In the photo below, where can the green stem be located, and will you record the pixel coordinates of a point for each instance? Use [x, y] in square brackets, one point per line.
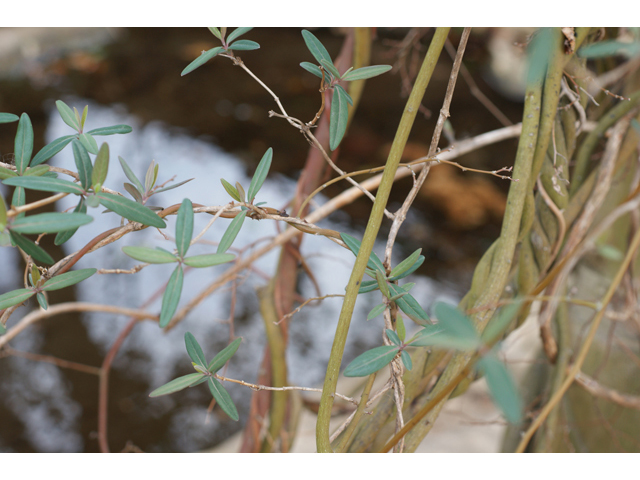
[371, 232]
[364, 398]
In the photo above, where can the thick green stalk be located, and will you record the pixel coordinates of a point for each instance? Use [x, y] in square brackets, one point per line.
[371, 232]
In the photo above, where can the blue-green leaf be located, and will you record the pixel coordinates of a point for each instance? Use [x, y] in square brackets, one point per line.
[131, 176]
[315, 47]
[51, 222]
[409, 271]
[48, 151]
[194, 350]
[406, 359]
[406, 264]
[171, 187]
[223, 399]
[366, 72]
[149, 255]
[130, 209]
[244, 45]
[171, 296]
[45, 184]
[368, 286]
[393, 337]
[23, 146]
[260, 175]
[354, 245]
[15, 297]
[224, 355]
[35, 251]
[231, 233]
[330, 67]
[201, 60]
[609, 48]
[500, 321]
[502, 387]
[377, 310]
[62, 237]
[184, 227]
[112, 130]
[89, 143]
[456, 324]
[177, 384]
[6, 173]
[208, 260]
[67, 115]
[42, 300]
[338, 118]
[83, 163]
[371, 361]
[409, 305]
[311, 68]
[8, 118]
[344, 94]
[67, 279]
[37, 171]
[237, 33]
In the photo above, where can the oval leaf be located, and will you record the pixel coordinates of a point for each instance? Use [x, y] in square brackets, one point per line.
[45, 184]
[231, 190]
[83, 163]
[223, 398]
[406, 264]
[329, 67]
[177, 384]
[406, 359]
[310, 67]
[201, 60]
[260, 175]
[375, 311]
[237, 33]
[208, 260]
[23, 146]
[15, 297]
[366, 72]
[112, 130]
[393, 337]
[224, 355]
[184, 227]
[149, 255]
[244, 45]
[338, 118]
[315, 47]
[194, 350]
[502, 387]
[8, 118]
[371, 361]
[101, 168]
[374, 262]
[27, 246]
[171, 296]
[231, 233]
[67, 115]
[130, 209]
[67, 279]
[48, 151]
[50, 222]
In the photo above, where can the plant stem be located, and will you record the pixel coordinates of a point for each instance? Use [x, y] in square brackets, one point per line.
[333, 368]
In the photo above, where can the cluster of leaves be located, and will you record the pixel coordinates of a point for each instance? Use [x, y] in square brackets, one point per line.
[228, 44]
[341, 100]
[238, 193]
[205, 372]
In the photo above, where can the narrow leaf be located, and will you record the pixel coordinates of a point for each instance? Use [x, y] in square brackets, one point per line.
[133, 191]
[215, 32]
[42, 300]
[406, 264]
[609, 48]
[455, 323]
[311, 68]
[171, 296]
[375, 311]
[177, 384]
[149, 178]
[84, 116]
[34, 251]
[223, 399]
[368, 286]
[131, 176]
[67, 115]
[48, 151]
[194, 350]
[338, 118]
[45, 184]
[366, 72]
[224, 355]
[244, 45]
[329, 67]
[400, 328]
[67, 279]
[23, 146]
[345, 94]
[208, 260]
[260, 175]
[502, 387]
[184, 227]
[171, 187]
[8, 118]
[112, 130]
[149, 255]
[15, 297]
[406, 359]
[83, 163]
[201, 60]
[374, 262]
[65, 235]
[3, 213]
[36, 171]
[231, 190]
[409, 305]
[409, 271]
[231, 233]
[237, 33]
[382, 284]
[241, 192]
[500, 321]
[52, 222]
[130, 210]
[101, 168]
[6, 173]
[89, 143]
[393, 337]
[371, 361]
[315, 47]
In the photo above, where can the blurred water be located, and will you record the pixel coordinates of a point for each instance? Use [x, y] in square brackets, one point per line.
[46, 410]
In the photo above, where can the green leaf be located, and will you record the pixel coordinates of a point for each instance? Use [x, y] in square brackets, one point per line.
[241, 192]
[177, 384]
[366, 72]
[171, 296]
[609, 48]
[610, 252]
[201, 60]
[23, 146]
[48, 151]
[215, 32]
[194, 350]
[62, 237]
[542, 43]
[51, 222]
[237, 33]
[260, 175]
[406, 264]
[89, 143]
[131, 176]
[133, 191]
[400, 328]
[329, 67]
[456, 324]
[231, 233]
[67, 115]
[231, 190]
[409, 271]
[150, 176]
[502, 387]
[315, 47]
[3, 329]
[393, 337]
[184, 227]
[83, 163]
[345, 94]
[409, 305]
[8, 118]
[500, 321]
[311, 68]
[45, 184]
[130, 209]
[6, 173]
[15, 297]
[149, 255]
[18, 199]
[67, 279]
[375, 311]
[368, 286]
[171, 187]
[354, 245]
[244, 45]
[406, 359]
[38, 171]
[435, 335]
[382, 284]
[371, 361]
[101, 168]
[208, 260]
[223, 399]
[3, 213]
[338, 118]
[84, 116]
[224, 355]
[112, 130]
[27, 246]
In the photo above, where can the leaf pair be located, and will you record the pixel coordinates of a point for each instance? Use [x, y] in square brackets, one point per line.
[205, 372]
[260, 175]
